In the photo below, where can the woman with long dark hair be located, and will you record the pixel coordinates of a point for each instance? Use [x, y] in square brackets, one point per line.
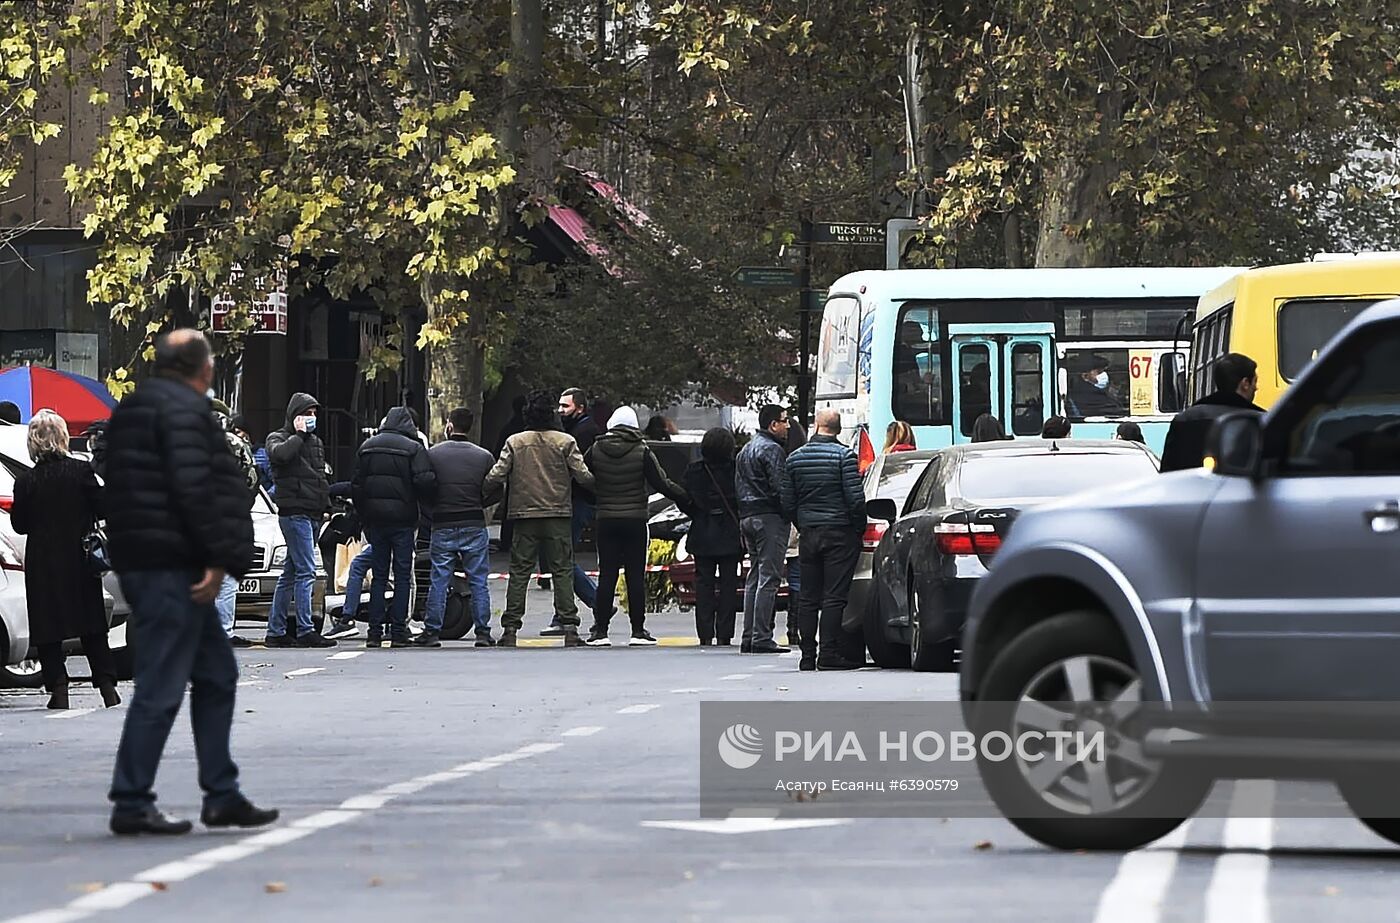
[57, 503]
[714, 540]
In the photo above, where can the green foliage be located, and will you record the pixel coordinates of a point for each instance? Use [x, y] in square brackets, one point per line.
[32, 53]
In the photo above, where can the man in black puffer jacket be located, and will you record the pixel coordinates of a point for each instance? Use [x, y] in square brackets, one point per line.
[822, 493]
[177, 522]
[392, 476]
[303, 495]
[623, 467]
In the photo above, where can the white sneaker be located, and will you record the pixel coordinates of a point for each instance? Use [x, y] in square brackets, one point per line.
[642, 638]
[596, 640]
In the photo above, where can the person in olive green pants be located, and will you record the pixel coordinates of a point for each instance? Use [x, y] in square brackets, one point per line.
[538, 467]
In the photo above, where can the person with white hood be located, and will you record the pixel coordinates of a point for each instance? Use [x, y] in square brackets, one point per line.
[623, 468]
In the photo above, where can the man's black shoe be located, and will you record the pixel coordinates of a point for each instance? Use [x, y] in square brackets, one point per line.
[374, 639]
[745, 647]
[314, 639]
[485, 641]
[837, 662]
[280, 641]
[553, 630]
[427, 639]
[148, 821]
[807, 664]
[241, 813]
[400, 639]
[239, 641]
[769, 648]
[507, 639]
[342, 628]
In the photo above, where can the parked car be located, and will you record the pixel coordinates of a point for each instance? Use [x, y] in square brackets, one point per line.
[930, 559]
[18, 666]
[1262, 585]
[891, 476]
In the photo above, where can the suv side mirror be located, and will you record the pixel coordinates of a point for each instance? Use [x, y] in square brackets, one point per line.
[1235, 445]
[882, 509]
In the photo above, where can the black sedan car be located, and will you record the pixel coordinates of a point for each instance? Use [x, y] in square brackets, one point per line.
[928, 561]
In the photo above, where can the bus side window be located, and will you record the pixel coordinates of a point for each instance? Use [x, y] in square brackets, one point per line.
[917, 388]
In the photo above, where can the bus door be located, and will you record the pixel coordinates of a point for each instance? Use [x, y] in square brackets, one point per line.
[1007, 370]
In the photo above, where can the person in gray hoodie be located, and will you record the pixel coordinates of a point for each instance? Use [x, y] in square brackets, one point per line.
[623, 467]
[459, 527]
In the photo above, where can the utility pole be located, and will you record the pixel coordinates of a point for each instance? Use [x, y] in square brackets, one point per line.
[804, 315]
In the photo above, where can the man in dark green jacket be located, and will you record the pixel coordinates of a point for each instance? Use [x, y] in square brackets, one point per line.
[822, 494]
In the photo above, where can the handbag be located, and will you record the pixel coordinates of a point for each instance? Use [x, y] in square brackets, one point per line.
[95, 552]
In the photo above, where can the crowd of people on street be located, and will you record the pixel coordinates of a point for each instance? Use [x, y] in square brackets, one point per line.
[180, 476]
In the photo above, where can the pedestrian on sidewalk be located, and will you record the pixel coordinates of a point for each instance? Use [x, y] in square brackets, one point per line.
[538, 468]
[392, 476]
[459, 536]
[623, 468]
[822, 493]
[758, 481]
[177, 521]
[714, 539]
[573, 410]
[303, 495]
[227, 603]
[56, 504]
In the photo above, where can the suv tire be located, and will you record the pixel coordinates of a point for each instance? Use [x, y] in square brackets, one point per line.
[1161, 798]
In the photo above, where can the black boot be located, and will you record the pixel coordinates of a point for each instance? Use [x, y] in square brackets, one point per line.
[110, 699]
[58, 698]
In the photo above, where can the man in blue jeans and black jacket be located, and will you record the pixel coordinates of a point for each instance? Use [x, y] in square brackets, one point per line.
[303, 496]
[459, 528]
[177, 523]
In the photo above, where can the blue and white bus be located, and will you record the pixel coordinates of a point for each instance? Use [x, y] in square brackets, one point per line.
[937, 348]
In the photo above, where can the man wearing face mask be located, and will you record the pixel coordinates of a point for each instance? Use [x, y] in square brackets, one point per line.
[1089, 393]
[303, 495]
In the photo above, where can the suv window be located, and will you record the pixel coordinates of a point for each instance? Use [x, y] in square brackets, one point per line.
[1354, 426]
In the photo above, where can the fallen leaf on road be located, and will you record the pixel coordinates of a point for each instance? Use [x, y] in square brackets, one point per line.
[376, 881]
[159, 886]
[89, 887]
[1331, 890]
[275, 887]
[982, 845]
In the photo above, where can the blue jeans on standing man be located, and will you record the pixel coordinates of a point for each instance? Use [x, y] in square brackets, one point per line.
[227, 603]
[391, 545]
[175, 641]
[298, 575]
[355, 580]
[469, 546]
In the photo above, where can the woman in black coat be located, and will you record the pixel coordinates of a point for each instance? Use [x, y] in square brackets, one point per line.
[56, 504]
[714, 540]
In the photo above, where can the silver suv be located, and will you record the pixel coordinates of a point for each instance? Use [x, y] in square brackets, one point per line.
[1207, 617]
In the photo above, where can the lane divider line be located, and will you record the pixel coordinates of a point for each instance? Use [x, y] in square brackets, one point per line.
[586, 731]
[71, 713]
[736, 676]
[1139, 887]
[346, 655]
[1239, 886]
[304, 671]
[638, 709]
[143, 884]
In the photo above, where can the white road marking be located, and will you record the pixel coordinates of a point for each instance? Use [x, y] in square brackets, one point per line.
[733, 825]
[692, 690]
[638, 709]
[766, 666]
[1136, 892]
[587, 730]
[346, 655]
[121, 893]
[1239, 886]
[737, 676]
[252, 682]
[304, 671]
[72, 713]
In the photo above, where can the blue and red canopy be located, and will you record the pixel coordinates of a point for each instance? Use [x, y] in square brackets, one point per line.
[79, 400]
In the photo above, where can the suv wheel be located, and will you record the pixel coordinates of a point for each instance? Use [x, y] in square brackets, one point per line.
[1372, 799]
[1074, 672]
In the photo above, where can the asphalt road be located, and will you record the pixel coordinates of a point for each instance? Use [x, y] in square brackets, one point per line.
[538, 784]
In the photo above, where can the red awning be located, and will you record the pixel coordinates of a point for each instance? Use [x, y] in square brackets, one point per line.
[581, 232]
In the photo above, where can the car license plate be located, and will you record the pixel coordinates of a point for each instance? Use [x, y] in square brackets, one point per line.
[249, 587]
